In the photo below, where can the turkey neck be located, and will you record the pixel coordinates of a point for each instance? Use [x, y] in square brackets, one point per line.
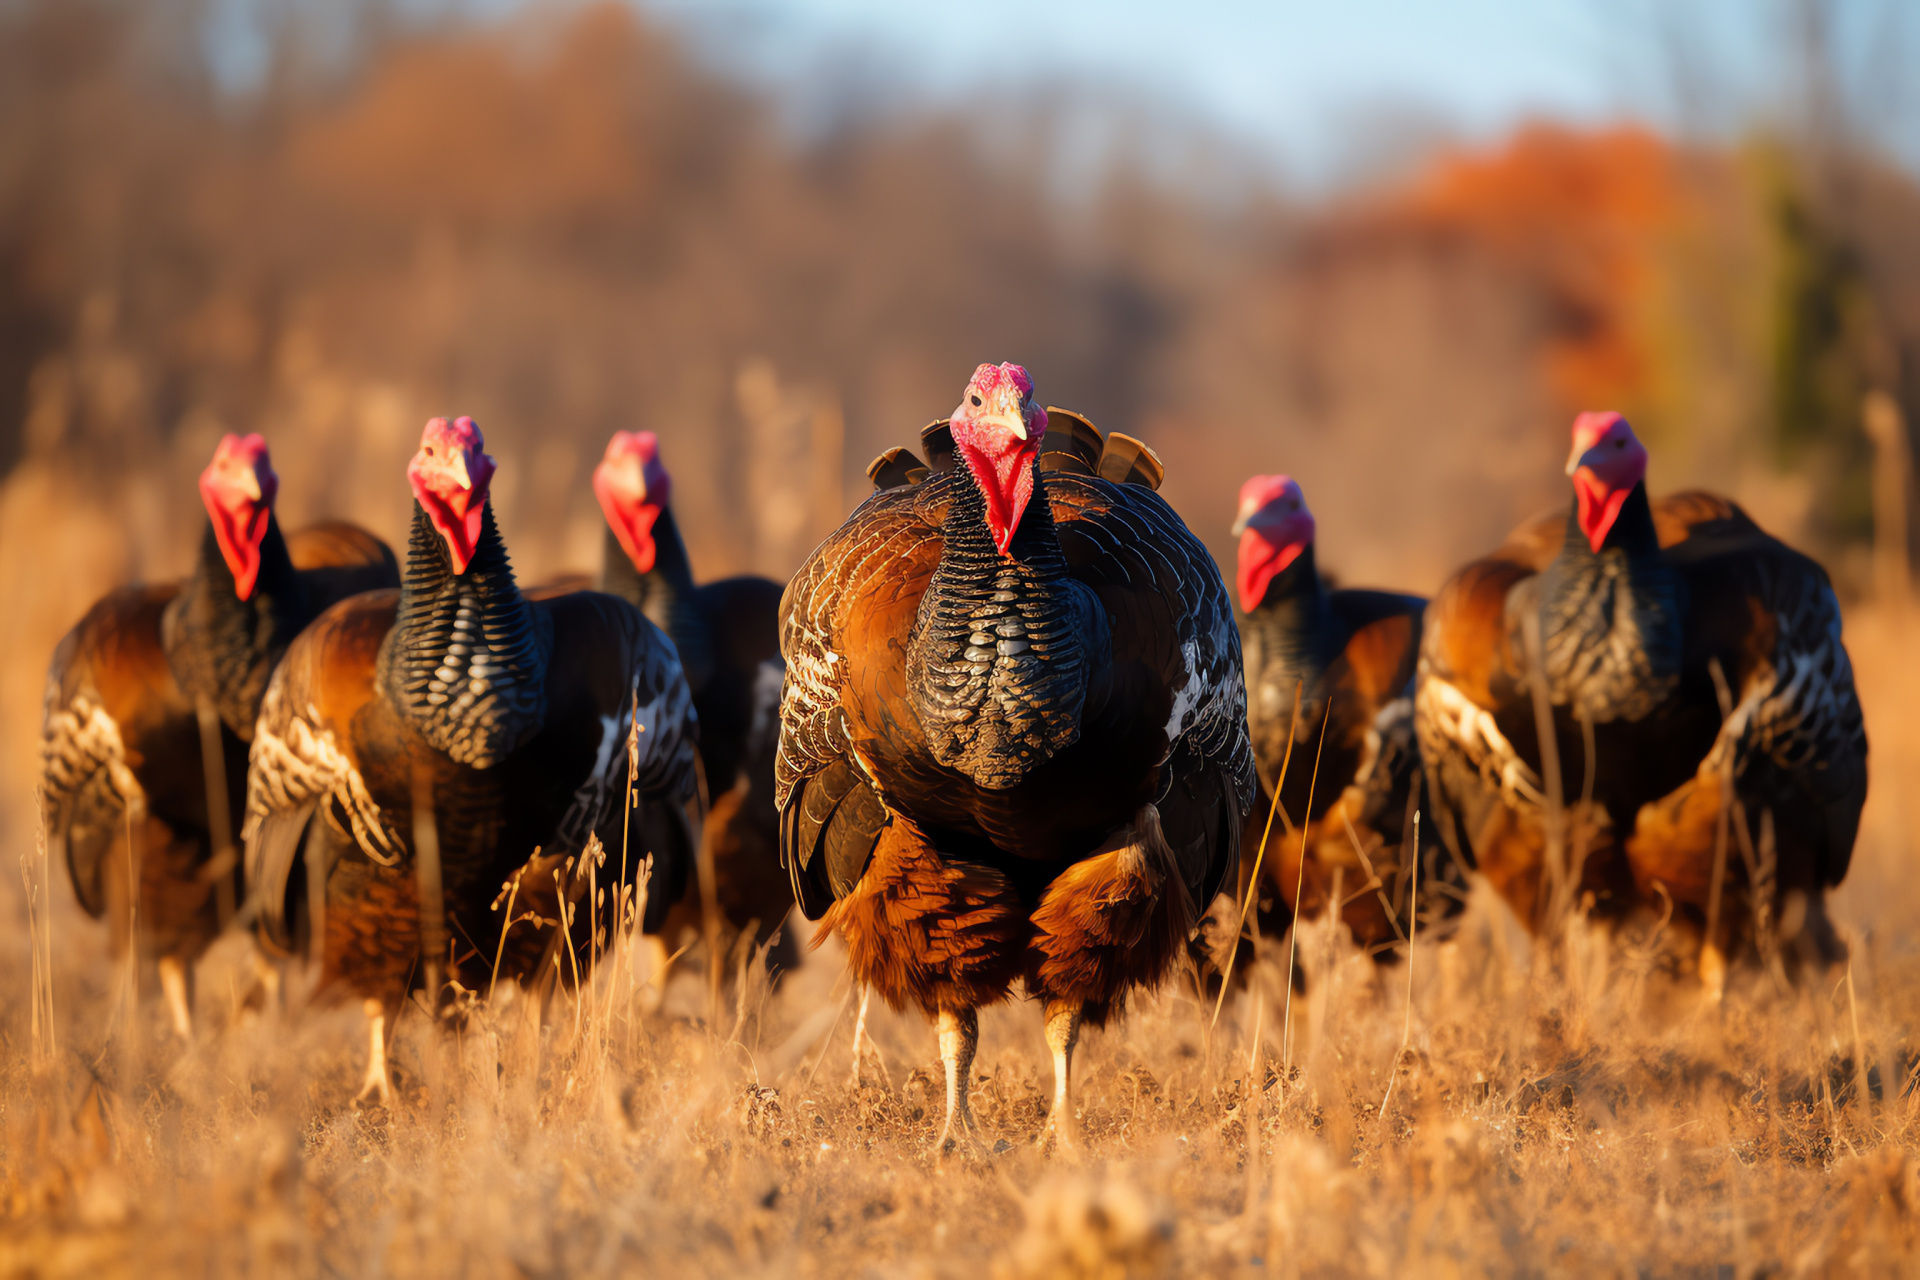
[223, 649]
[466, 660]
[1291, 635]
[1289, 640]
[998, 663]
[665, 593]
[1610, 626]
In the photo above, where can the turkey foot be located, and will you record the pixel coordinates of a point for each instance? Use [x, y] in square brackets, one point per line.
[959, 1038]
[1063, 1034]
[860, 1038]
[1713, 972]
[377, 1081]
[173, 982]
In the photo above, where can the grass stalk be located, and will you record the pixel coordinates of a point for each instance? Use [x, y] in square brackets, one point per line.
[1259, 857]
[1413, 928]
[1293, 942]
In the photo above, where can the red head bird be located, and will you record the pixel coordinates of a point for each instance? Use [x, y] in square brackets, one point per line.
[1274, 527]
[997, 429]
[238, 488]
[633, 487]
[1607, 461]
[450, 477]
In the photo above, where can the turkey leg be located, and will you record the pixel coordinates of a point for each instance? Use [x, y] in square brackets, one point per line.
[860, 1037]
[377, 1081]
[959, 1038]
[173, 983]
[1063, 1035]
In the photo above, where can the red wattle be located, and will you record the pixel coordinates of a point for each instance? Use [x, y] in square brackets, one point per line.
[239, 527]
[1259, 563]
[1007, 481]
[1599, 506]
[240, 532]
[456, 515]
[632, 527]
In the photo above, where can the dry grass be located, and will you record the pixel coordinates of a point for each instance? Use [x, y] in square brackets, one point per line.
[1583, 1115]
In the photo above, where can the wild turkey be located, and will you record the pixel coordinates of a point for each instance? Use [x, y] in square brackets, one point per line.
[1711, 757]
[505, 716]
[727, 634]
[1347, 657]
[151, 702]
[1013, 738]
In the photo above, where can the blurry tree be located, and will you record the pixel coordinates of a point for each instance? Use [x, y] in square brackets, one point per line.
[561, 222]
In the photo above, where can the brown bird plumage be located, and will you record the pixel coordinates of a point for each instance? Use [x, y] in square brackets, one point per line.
[509, 715]
[1013, 746]
[1352, 783]
[1703, 712]
[727, 634]
[125, 739]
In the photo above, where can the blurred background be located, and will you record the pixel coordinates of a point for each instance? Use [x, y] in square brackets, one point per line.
[1388, 247]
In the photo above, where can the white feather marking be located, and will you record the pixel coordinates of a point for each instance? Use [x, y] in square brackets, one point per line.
[1190, 695]
[302, 763]
[769, 682]
[603, 755]
[82, 737]
[1444, 710]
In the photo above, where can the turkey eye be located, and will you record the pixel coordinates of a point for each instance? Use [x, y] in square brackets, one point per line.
[1619, 444]
[976, 401]
[429, 451]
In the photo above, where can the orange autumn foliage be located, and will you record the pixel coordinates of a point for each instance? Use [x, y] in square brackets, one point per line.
[1586, 213]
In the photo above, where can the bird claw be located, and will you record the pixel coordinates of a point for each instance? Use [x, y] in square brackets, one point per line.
[1713, 973]
[173, 983]
[961, 1140]
[1063, 1135]
[377, 1080]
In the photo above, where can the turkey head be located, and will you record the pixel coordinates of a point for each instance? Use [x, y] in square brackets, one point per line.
[450, 476]
[238, 488]
[633, 487]
[1274, 527]
[997, 430]
[1607, 461]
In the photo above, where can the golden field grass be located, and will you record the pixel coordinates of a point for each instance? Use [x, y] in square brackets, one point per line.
[1581, 1114]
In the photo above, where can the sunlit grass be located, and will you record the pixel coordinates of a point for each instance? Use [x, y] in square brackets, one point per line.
[1585, 1114]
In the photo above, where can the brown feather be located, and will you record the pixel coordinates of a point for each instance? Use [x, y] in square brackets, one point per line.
[930, 932]
[1112, 921]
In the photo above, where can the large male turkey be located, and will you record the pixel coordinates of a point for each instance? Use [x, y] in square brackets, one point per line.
[727, 633]
[1711, 757]
[1330, 702]
[1013, 736]
[151, 701]
[507, 715]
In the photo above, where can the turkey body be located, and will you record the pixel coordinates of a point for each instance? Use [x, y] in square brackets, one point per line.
[1703, 714]
[524, 755]
[124, 735]
[1351, 656]
[727, 634]
[968, 739]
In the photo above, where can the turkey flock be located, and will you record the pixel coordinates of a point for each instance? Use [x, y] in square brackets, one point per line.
[1007, 730]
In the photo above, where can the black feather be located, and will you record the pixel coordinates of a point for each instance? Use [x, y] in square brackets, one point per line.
[466, 660]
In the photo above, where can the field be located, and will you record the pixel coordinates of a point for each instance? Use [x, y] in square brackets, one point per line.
[1578, 1111]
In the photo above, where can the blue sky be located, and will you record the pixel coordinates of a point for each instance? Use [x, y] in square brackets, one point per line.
[1323, 91]
[1319, 86]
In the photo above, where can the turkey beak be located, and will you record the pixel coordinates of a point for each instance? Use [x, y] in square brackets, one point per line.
[459, 469]
[1574, 459]
[1011, 421]
[250, 484]
[1244, 520]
